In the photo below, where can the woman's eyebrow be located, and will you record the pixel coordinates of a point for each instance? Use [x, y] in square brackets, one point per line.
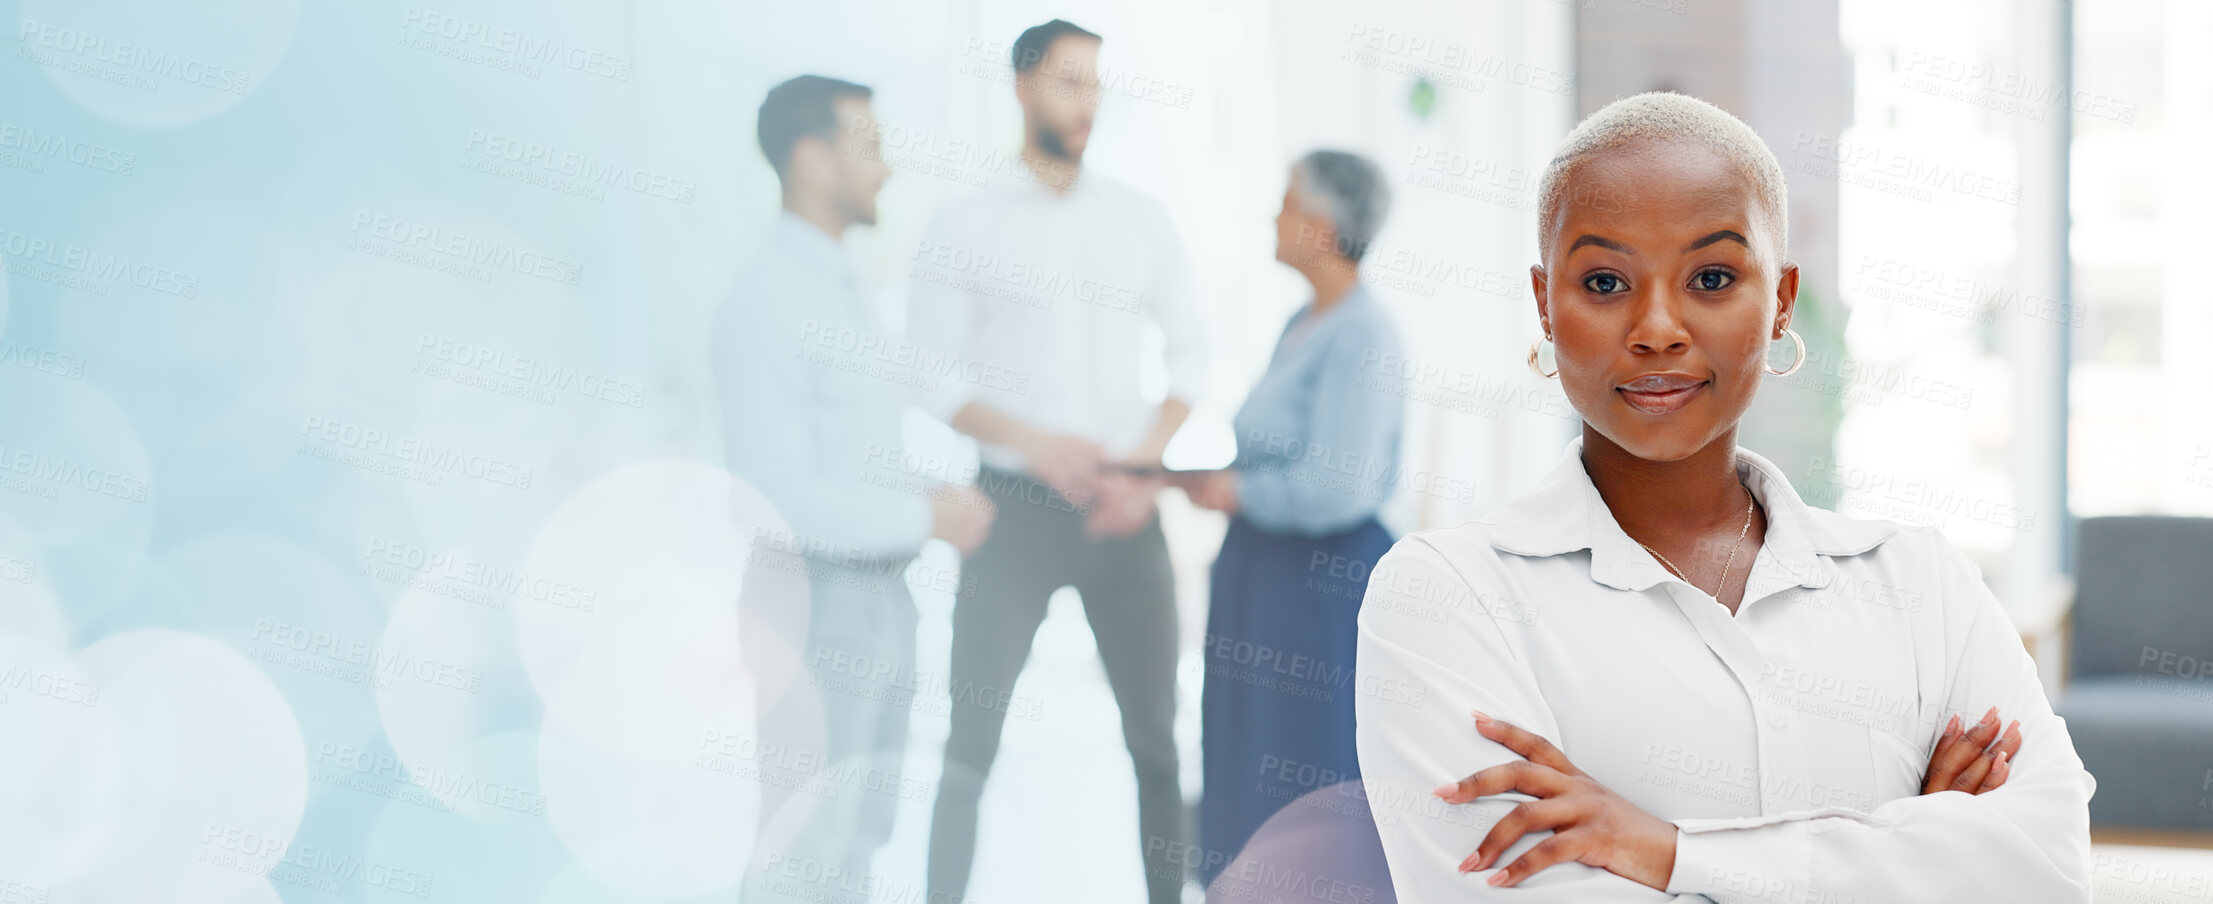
[1716, 236]
[1588, 239]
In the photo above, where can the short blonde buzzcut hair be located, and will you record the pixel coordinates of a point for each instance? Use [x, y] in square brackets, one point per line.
[1659, 117]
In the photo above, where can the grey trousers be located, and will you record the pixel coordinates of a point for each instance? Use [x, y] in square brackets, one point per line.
[1037, 546]
[829, 756]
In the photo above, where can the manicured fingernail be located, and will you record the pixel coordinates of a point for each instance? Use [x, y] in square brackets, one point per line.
[1468, 864]
[1445, 791]
[1991, 716]
[2001, 760]
[1498, 878]
[1953, 727]
[1480, 716]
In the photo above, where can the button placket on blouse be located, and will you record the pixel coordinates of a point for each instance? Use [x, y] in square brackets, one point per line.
[1740, 654]
[1786, 762]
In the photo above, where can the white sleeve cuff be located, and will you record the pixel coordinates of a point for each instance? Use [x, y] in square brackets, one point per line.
[1730, 863]
[1762, 858]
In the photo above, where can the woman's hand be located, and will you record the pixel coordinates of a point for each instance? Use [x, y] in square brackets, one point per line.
[1589, 822]
[1968, 761]
[1215, 490]
[1121, 504]
[1069, 464]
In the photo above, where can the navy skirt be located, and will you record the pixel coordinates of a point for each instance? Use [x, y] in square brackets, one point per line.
[1277, 709]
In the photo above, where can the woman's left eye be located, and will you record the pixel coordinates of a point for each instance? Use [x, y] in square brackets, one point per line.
[1712, 280]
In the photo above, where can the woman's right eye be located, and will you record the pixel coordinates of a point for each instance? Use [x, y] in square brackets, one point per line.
[1604, 283]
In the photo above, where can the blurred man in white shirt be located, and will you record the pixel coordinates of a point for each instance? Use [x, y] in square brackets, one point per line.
[810, 411]
[1058, 275]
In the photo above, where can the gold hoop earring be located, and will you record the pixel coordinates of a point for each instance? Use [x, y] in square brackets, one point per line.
[1794, 365]
[1533, 368]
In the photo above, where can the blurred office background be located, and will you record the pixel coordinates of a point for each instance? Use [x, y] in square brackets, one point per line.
[251, 249]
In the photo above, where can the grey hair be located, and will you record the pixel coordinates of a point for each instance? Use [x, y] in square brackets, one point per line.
[1662, 116]
[1348, 190]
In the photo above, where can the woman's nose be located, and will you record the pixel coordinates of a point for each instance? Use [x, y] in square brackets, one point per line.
[1659, 326]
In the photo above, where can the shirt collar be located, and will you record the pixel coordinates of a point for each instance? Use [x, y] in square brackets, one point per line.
[1020, 181]
[1354, 299]
[1346, 307]
[1565, 513]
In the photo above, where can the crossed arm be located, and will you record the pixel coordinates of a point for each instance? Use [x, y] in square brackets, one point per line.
[1563, 836]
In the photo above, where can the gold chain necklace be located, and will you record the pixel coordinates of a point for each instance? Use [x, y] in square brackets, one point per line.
[1749, 502]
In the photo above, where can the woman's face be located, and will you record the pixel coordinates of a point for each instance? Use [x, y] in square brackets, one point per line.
[1662, 290]
[1302, 239]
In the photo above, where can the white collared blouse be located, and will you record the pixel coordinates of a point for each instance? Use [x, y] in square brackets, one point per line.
[1786, 742]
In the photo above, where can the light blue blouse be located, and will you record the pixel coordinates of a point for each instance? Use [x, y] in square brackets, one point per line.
[1318, 437]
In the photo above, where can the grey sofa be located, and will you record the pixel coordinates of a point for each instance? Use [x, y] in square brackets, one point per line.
[2139, 693]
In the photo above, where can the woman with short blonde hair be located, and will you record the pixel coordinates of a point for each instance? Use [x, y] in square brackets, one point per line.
[1660, 672]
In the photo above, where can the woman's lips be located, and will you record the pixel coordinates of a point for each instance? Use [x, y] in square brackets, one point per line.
[1661, 402]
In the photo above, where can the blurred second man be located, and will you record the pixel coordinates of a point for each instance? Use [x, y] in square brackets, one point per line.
[1042, 287]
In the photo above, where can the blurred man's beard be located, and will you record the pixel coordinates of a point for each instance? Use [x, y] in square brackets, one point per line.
[859, 214]
[1049, 141]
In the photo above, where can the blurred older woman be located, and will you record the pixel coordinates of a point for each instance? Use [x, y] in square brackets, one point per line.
[1318, 451]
